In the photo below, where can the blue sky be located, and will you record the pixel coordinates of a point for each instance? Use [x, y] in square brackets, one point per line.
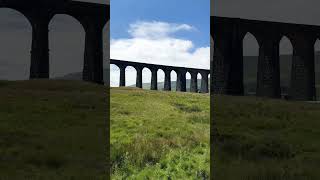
[191, 12]
[167, 32]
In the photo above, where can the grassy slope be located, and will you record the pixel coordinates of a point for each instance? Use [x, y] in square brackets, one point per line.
[52, 130]
[159, 134]
[266, 139]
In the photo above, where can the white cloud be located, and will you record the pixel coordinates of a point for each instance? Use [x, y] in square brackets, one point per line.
[156, 29]
[154, 42]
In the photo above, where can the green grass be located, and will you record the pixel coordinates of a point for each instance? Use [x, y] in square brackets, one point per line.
[266, 139]
[159, 135]
[52, 130]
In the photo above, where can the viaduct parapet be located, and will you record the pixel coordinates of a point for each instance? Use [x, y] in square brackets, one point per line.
[180, 71]
[227, 59]
[39, 13]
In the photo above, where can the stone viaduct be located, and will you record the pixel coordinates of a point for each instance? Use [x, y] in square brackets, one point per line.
[227, 65]
[180, 71]
[93, 18]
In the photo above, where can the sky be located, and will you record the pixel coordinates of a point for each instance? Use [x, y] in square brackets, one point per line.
[292, 11]
[160, 32]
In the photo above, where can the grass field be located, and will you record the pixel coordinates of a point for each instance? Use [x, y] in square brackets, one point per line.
[56, 130]
[266, 139]
[159, 135]
[52, 130]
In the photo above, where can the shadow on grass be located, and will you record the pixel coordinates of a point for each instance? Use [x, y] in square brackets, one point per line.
[187, 108]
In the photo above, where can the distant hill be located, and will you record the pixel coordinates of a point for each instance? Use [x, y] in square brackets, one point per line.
[72, 76]
[173, 85]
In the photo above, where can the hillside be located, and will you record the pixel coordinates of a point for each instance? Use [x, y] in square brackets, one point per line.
[52, 129]
[159, 135]
[266, 139]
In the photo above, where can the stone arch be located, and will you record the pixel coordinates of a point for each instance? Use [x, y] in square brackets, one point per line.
[15, 60]
[285, 61]
[174, 72]
[252, 34]
[289, 36]
[20, 12]
[251, 48]
[79, 18]
[199, 77]
[114, 75]
[66, 56]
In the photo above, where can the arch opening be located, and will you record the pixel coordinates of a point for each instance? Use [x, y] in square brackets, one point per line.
[131, 76]
[146, 78]
[250, 63]
[199, 78]
[160, 75]
[285, 61]
[66, 44]
[173, 75]
[114, 75]
[15, 46]
[188, 81]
